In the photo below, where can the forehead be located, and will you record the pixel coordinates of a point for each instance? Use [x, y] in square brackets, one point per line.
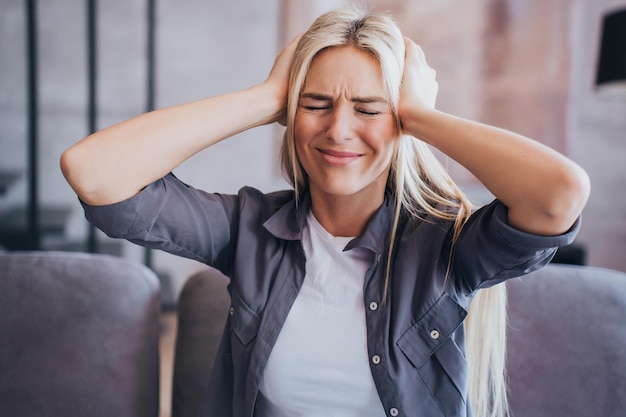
[344, 67]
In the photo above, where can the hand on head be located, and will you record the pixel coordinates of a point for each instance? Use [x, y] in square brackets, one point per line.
[419, 85]
[278, 78]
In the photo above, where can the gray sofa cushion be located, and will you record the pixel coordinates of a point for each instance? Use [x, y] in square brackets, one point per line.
[78, 336]
[567, 342]
[202, 309]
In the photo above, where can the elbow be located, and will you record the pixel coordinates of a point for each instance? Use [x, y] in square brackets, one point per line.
[69, 167]
[568, 197]
[75, 170]
[95, 178]
[558, 201]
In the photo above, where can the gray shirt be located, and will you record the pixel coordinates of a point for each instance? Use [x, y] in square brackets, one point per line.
[415, 337]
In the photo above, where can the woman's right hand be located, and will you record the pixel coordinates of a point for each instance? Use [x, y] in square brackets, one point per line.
[278, 79]
[115, 163]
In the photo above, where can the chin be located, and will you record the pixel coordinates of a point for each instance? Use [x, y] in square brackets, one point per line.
[343, 186]
[346, 190]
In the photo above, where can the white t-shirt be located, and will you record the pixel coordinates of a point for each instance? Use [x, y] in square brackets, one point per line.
[319, 365]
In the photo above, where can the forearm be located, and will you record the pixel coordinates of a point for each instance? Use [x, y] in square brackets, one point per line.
[117, 162]
[543, 190]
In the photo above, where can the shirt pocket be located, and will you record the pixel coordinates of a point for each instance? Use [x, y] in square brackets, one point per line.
[243, 320]
[430, 347]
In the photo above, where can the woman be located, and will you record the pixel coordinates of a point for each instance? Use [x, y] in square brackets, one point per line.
[349, 293]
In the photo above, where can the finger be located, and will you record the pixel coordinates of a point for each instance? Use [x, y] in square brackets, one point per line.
[413, 48]
[417, 54]
[284, 59]
[291, 46]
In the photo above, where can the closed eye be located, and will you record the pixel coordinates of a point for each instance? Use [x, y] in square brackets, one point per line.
[368, 112]
[315, 108]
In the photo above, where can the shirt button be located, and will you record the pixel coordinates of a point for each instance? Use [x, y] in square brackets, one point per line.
[379, 255]
[393, 412]
[375, 359]
[434, 334]
[373, 306]
[231, 311]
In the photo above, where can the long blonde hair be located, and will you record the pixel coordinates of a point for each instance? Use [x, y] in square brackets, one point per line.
[420, 183]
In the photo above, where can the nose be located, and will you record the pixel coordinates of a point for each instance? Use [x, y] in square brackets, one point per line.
[340, 123]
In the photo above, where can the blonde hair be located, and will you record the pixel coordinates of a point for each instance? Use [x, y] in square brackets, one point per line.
[420, 183]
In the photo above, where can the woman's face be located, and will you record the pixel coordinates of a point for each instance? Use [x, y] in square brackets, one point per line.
[345, 130]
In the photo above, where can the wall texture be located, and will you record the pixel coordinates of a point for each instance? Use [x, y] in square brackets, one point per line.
[597, 137]
[203, 48]
[537, 80]
[530, 67]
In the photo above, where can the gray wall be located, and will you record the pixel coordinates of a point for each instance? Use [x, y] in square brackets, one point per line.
[597, 136]
[211, 47]
[204, 48]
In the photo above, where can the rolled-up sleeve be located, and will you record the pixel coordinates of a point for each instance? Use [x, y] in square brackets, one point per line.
[171, 216]
[490, 251]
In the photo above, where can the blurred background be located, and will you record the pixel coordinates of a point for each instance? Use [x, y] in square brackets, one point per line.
[69, 67]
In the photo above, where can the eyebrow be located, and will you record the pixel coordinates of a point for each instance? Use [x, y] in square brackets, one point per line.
[322, 97]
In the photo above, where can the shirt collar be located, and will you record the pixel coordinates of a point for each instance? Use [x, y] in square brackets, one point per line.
[289, 220]
[376, 235]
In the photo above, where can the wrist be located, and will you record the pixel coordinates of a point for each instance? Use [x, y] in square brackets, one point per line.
[270, 100]
[417, 119]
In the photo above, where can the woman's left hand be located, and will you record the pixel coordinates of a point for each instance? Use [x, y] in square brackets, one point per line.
[543, 190]
[419, 85]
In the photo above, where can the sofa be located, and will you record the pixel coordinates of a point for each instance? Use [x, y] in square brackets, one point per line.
[567, 342]
[566, 353]
[79, 336]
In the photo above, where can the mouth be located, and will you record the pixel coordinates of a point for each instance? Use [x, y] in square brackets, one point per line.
[334, 157]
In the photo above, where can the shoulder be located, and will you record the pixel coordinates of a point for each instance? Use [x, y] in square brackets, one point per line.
[280, 197]
[250, 198]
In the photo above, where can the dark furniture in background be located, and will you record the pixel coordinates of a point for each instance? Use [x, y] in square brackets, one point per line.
[574, 254]
[79, 336]
[36, 226]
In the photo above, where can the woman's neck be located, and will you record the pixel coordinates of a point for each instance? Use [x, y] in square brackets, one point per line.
[344, 215]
